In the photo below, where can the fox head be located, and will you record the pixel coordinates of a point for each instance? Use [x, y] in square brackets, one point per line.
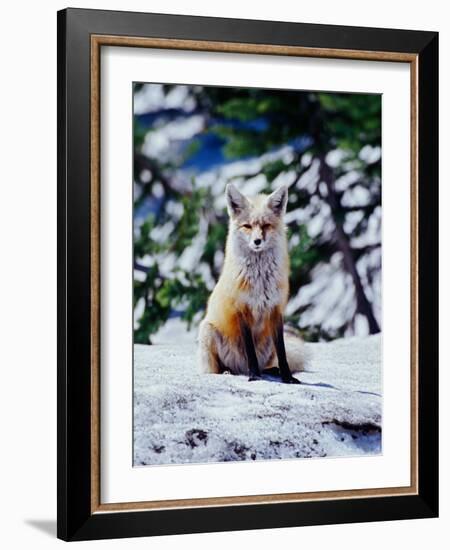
[256, 223]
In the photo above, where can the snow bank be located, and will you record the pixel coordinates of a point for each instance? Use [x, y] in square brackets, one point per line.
[182, 416]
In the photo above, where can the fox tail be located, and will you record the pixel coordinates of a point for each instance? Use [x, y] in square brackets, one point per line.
[296, 353]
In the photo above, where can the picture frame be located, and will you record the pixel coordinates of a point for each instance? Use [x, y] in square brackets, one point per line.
[81, 36]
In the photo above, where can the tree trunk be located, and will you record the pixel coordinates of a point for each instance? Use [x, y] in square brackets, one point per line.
[363, 305]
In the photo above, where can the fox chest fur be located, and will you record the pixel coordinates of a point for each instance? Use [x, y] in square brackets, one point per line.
[262, 282]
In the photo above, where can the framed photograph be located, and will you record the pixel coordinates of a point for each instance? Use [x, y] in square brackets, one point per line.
[247, 255]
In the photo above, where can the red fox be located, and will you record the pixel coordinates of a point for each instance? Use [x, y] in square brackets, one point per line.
[242, 332]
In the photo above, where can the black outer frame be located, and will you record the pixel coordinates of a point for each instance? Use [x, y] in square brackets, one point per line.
[75, 521]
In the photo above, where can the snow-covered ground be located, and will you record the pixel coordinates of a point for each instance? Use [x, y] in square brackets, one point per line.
[183, 416]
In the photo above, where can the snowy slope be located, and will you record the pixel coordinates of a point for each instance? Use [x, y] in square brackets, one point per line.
[183, 416]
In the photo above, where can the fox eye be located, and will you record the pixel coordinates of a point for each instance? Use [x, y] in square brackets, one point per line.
[246, 226]
[266, 226]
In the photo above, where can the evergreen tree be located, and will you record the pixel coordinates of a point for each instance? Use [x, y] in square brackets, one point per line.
[192, 140]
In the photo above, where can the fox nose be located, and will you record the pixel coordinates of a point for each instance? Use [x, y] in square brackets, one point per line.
[257, 242]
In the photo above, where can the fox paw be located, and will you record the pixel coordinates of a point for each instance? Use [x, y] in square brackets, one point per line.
[254, 377]
[291, 380]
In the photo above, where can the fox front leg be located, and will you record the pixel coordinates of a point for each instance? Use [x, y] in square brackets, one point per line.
[278, 338]
[250, 352]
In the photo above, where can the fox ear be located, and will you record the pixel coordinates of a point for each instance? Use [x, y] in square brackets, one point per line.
[235, 200]
[277, 200]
